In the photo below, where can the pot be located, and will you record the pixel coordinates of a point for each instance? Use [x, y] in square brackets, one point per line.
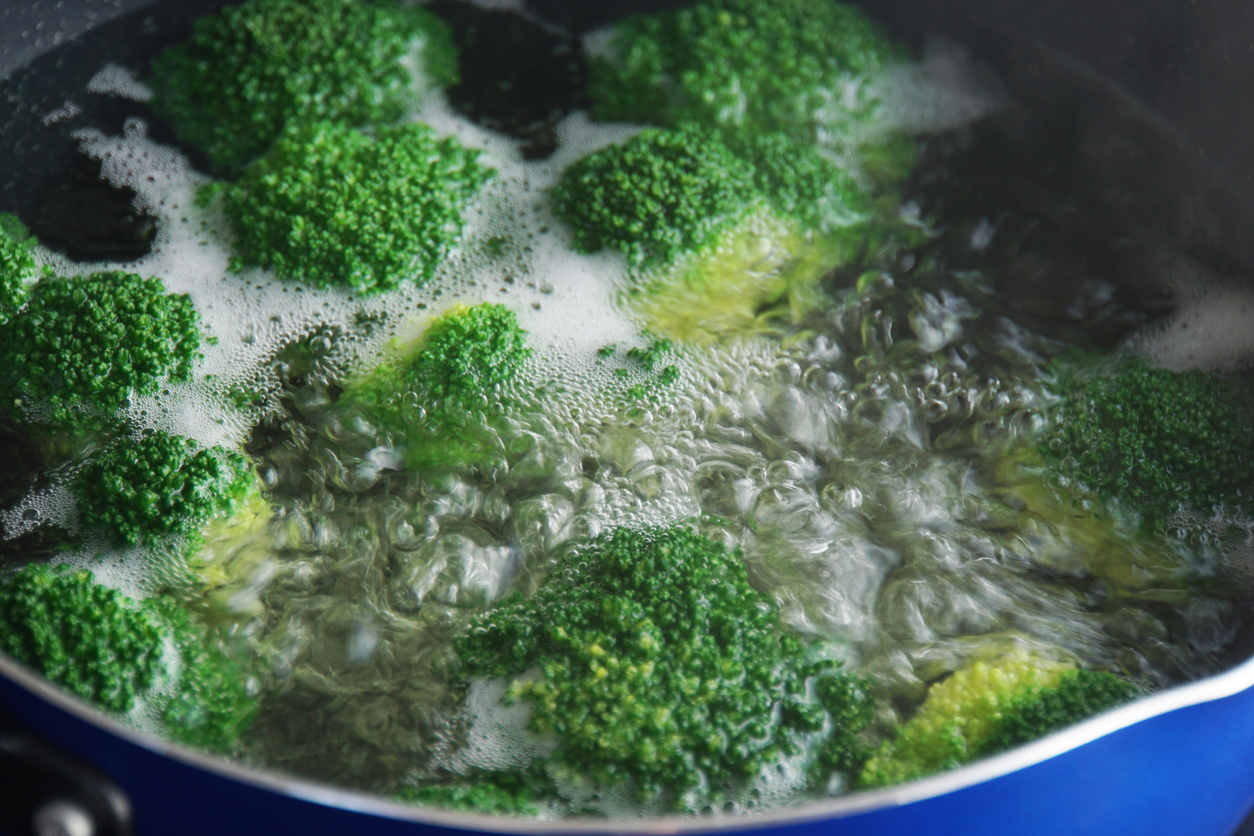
[1113, 118]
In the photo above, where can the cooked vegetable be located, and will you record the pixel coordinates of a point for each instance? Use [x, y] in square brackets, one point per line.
[446, 391]
[660, 195]
[1156, 440]
[718, 240]
[112, 651]
[82, 347]
[659, 664]
[334, 206]
[17, 265]
[989, 706]
[742, 66]
[498, 793]
[161, 484]
[251, 70]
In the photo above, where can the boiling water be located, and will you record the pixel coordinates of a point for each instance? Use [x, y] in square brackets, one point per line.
[871, 458]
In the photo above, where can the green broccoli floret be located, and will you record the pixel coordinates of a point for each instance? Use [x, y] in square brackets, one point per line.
[646, 380]
[1078, 695]
[86, 637]
[249, 71]
[801, 183]
[850, 706]
[334, 206]
[17, 265]
[667, 193]
[659, 664]
[987, 707]
[719, 238]
[159, 485]
[445, 392]
[658, 196]
[493, 793]
[211, 704]
[1156, 440]
[83, 346]
[742, 66]
[110, 650]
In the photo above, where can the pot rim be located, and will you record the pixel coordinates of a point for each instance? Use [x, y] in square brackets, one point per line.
[1218, 686]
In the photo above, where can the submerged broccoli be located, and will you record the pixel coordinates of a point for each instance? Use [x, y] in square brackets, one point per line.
[987, 707]
[110, 650]
[17, 265]
[718, 234]
[660, 665]
[161, 484]
[444, 393]
[250, 70]
[82, 347]
[494, 793]
[742, 66]
[333, 206]
[1157, 440]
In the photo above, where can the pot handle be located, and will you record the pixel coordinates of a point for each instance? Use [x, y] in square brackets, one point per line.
[49, 793]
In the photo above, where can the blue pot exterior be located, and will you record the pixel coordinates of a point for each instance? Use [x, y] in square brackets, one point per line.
[1179, 763]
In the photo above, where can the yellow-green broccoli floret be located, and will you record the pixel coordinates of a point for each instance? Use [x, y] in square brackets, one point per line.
[444, 393]
[161, 484]
[111, 650]
[740, 66]
[17, 265]
[1156, 440]
[721, 235]
[82, 347]
[989, 706]
[334, 206]
[660, 665]
[249, 71]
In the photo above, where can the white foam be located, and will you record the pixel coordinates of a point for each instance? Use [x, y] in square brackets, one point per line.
[944, 90]
[116, 80]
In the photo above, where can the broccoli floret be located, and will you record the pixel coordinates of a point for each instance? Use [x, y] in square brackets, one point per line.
[850, 706]
[989, 706]
[86, 637]
[334, 206]
[111, 650]
[741, 66]
[1078, 695]
[641, 369]
[719, 241]
[83, 346]
[162, 484]
[445, 392]
[467, 355]
[659, 664]
[211, 704]
[249, 71]
[656, 197]
[494, 793]
[1156, 440]
[17, 265]
[801, 183]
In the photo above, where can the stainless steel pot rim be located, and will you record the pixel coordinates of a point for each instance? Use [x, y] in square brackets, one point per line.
[1217, 687]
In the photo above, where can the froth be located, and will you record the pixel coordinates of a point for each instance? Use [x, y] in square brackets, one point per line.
[116, 80]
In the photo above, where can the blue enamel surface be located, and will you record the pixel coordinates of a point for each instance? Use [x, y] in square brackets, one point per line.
[1185, 772]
